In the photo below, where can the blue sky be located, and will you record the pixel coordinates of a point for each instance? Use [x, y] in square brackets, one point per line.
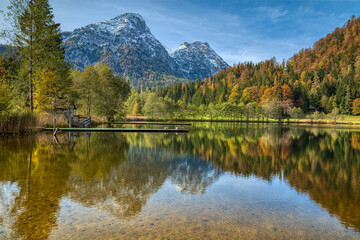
[240, 30]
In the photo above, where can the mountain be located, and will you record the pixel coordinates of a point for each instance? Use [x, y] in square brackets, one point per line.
[198, 60]
[127, 45]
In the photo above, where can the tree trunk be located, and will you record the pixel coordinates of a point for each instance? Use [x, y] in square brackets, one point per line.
[31, 86]
[89, 100]
[30, 66]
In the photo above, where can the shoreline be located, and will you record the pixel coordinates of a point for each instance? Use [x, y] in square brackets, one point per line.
[283, 121]
[292, 122]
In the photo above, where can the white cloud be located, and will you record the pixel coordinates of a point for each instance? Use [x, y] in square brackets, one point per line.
[274, 13]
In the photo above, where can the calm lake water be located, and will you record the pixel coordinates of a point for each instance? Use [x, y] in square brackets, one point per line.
[219, 181]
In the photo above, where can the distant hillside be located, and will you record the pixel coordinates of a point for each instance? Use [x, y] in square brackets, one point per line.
[324, 77]
[335, 53]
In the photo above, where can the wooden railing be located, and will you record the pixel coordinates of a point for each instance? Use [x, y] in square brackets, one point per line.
[80, 121]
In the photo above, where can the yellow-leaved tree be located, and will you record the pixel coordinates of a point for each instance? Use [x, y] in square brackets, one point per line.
[356, 106]
[46, 89]
[136, 109]
[235, 94]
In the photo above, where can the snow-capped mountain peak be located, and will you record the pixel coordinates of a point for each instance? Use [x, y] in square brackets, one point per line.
[198, 59]
[127, 45]
[127, 21]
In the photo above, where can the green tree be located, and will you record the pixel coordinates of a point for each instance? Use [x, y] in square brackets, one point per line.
[297, 113]
[37, 39]
[226, 110]
[154, 106]
[240, 110]
[314, 93]
[132, 100]
[348, 101]
[170, 107]
[85, 85]
[250, 110]
[323, 101]
[5, 97]
[212, 110]
[110, 93]
[259, 111]
[273, 109]
[335, 114]
[8, 67]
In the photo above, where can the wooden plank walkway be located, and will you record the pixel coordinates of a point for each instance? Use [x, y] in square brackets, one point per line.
[152, 123]
[115, 130]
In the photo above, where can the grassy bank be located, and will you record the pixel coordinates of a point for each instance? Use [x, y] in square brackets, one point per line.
[343, 119]
[22, 123]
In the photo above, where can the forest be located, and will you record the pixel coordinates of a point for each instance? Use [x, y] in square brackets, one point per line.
[37, 83]
[320, 80]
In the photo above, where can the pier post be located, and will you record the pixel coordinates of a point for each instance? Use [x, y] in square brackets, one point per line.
[54, 131]
[71, 115]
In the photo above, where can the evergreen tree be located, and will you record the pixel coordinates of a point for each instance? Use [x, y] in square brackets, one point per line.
[348, 101]
[314, 95]
[37, 40]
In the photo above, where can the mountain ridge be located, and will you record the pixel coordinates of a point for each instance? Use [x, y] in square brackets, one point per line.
[127, 45]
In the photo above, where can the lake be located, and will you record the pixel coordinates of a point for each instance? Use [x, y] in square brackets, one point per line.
[219, 181]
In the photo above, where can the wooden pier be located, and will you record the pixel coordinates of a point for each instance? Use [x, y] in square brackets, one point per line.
[80, 121]
[145, 130]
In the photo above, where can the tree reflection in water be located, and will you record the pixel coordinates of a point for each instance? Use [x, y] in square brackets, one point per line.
[38, 168]
[118, 173]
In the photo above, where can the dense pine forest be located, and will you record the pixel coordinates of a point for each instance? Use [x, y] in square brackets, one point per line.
[323, 79]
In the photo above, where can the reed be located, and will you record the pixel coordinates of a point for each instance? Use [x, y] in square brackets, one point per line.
[15, 123]
[47, 120]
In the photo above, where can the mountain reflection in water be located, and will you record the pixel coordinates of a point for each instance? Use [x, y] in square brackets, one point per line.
[118, 173]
